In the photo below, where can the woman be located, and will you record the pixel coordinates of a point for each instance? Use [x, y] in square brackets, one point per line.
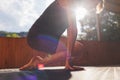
[45, 34]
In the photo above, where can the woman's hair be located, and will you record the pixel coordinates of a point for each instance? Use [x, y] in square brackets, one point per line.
[100, 6]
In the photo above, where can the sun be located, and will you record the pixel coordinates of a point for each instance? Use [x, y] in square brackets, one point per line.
[80, 13]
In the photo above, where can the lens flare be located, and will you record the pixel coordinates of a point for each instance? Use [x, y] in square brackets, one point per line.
[40, 66]
[80, 13]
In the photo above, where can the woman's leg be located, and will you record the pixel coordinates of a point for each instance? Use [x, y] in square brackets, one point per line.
[60, 55]
[54, 58]
[33, 63]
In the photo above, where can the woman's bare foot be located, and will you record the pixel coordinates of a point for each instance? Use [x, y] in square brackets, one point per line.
[32, 64]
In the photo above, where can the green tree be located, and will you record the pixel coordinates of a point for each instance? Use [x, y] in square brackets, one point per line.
[8, 35]
[14, 35]
[110, 26]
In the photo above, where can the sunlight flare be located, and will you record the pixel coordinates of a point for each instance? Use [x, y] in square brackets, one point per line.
[80, 13]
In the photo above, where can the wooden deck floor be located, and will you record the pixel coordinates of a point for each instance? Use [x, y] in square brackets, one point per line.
[58, 73]
[97, 73]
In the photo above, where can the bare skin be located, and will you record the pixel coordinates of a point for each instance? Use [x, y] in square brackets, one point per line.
[64, 54]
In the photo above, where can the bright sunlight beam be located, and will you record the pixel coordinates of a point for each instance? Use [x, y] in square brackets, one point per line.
[80, 13]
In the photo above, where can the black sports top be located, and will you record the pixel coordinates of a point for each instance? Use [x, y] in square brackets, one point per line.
[52, 22]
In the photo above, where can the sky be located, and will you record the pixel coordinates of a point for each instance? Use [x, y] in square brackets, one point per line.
[19, 15]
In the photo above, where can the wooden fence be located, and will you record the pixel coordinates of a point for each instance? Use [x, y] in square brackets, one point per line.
[15, 52]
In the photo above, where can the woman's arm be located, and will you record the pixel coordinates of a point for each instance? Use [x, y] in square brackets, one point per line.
[71, 34]
[71, 30]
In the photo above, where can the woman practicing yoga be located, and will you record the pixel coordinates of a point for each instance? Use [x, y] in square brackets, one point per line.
[45, 34]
